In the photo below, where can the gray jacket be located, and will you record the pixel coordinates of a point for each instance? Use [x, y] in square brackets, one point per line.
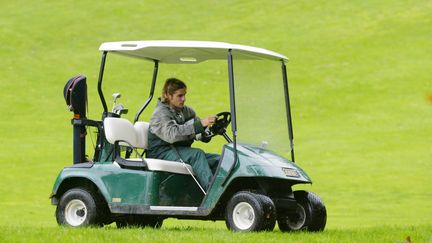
[173, 126]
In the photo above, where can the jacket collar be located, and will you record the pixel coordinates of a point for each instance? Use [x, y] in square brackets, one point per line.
[163, 104]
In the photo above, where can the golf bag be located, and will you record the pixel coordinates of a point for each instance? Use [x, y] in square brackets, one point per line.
[75, 94]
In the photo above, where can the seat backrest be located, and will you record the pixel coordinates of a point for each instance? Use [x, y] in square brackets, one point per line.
[141, 130]
[120, 129]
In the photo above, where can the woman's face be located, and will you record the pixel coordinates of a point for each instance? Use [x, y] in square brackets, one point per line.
[178, 99]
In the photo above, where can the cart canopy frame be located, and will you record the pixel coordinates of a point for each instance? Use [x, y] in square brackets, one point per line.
[194, 52]
[181, 51]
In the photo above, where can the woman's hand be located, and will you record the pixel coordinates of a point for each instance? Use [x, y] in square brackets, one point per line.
[208, 121]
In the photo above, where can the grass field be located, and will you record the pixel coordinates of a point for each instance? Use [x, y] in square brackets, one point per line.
[211, 234]
[360, 86]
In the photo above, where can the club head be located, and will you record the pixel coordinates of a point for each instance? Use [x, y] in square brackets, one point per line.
[116, 96]
[120, 109]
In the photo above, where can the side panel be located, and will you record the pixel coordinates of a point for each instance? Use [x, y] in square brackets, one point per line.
[179, 190]
[132, 187]
[151, 188]
[129, 186]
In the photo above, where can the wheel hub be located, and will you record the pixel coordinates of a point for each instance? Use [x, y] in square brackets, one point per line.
[243, 216]
[75, 212]
[80, 212]
[297, 220]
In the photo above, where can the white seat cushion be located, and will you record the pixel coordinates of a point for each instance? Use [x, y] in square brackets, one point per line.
[141, 129]
[119, 129]
[166, 165]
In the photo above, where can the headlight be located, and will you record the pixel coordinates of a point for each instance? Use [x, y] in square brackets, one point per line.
[291, 172]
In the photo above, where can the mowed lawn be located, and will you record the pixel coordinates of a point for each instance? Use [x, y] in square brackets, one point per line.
[361, 94]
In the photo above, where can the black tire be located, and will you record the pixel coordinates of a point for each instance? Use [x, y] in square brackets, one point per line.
[310, 215]
[77, 208]
[140, 221]
[247, 211]
[270, 212]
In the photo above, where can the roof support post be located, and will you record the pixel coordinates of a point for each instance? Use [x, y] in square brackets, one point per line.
[101, 71]
[233, 112]
[155, 72]
[288, 110]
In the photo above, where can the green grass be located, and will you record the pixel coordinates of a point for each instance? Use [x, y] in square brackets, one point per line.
[359, 81]
[190, 233]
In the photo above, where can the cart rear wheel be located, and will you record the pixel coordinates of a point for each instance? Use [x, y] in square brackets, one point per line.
[77, 207]
[310, 214]
[248, 211]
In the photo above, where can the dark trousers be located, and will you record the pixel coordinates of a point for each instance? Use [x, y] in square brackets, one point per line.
[203, 164]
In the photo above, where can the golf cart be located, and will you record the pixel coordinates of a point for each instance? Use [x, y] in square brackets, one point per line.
[252, 186]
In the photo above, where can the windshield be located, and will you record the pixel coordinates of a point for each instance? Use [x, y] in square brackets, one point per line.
[260, 105]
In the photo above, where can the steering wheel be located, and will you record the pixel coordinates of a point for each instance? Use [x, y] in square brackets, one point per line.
[222, 122]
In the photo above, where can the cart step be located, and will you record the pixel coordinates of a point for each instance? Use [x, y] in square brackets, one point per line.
[173, 208]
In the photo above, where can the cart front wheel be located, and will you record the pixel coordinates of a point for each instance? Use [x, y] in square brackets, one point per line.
[77, 207]
[248, 211]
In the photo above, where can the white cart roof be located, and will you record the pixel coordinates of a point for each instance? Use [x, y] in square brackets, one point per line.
[177, 51]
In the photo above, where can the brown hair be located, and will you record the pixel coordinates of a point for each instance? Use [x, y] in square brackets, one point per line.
[170, 87]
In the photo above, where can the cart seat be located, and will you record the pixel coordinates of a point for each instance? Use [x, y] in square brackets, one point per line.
[122, 130]
[162, 165]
